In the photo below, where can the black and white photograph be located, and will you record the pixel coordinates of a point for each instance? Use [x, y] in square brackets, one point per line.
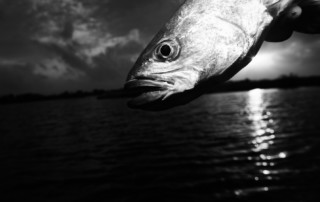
[160, 101]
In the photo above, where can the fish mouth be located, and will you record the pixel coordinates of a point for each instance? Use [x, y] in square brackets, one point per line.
[148, 91]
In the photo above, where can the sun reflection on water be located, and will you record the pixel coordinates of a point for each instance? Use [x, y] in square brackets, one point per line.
[263, 134]
[261, 120]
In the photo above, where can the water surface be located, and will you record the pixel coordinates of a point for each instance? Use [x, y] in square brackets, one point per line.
[261, 145]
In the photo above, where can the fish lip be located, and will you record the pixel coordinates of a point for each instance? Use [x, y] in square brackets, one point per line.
[147, 90]
[144, 81]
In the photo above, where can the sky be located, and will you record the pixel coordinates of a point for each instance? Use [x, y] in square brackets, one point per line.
[52, 46]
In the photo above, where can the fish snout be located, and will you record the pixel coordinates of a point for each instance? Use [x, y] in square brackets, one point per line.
[148, 91]
[147, 82]
[154, 95]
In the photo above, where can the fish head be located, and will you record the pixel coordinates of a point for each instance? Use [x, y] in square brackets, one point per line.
[201, 45]
[167, 72]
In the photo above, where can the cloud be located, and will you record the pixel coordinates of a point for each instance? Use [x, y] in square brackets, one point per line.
[56, 68]
[68, 40]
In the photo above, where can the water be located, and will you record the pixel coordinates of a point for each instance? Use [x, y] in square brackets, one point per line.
[261, 145]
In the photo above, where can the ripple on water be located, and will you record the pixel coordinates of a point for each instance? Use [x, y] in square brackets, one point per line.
[247, 146]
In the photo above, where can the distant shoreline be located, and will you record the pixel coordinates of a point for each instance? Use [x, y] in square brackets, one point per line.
[284, 82]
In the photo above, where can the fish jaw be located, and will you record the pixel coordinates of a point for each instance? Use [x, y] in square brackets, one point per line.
[161, 91]
[148, 91]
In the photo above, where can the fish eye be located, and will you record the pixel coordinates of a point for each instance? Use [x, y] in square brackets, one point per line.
[167, 50]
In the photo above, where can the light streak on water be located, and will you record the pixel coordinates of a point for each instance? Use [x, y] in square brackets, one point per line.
[263, 135]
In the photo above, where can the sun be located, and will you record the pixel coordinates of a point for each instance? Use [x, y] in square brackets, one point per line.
[264, 65]
[266, 59]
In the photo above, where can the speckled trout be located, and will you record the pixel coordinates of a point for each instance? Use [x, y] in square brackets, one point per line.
[208, 41]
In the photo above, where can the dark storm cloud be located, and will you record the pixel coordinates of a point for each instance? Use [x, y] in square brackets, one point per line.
[145, 15]
[55, 45]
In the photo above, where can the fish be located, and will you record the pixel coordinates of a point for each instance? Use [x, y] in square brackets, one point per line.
[207, 42]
